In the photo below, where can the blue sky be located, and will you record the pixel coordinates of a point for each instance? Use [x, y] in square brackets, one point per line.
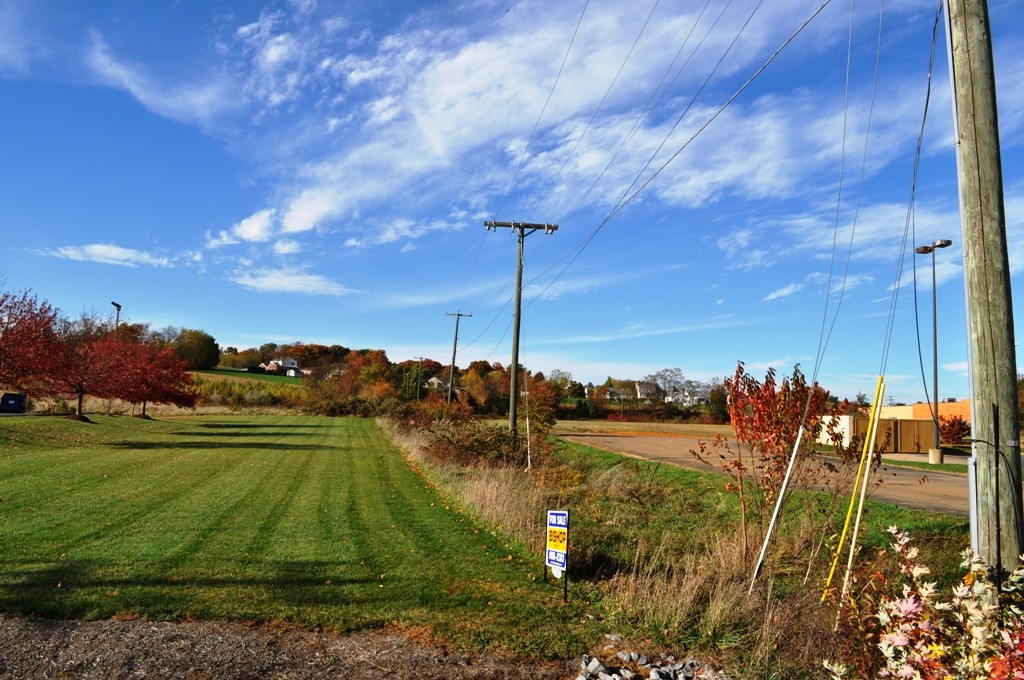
[321, 172]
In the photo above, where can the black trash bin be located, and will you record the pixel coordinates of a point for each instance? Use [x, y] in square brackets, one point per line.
[12, 402]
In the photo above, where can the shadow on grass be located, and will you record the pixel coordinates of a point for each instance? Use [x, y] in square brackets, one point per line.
[219, 445]
[261, 426]
[87, 589]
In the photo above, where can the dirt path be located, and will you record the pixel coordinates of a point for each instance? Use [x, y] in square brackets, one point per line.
[907, 487]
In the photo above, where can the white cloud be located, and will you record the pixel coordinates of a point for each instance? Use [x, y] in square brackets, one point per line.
[289, 281]
[256, 227]
[18, 48]
[785, 364]
[644, 331]
[957, 367]
[307, 210]
[221, 239]
[108, 253]
[285, 247]
[277, 51]
[200, 103]
[785, 291]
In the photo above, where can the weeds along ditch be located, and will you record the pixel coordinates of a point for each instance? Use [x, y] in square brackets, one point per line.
[664, 546]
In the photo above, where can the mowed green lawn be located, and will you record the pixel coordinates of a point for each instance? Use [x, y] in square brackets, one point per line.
[316, 521]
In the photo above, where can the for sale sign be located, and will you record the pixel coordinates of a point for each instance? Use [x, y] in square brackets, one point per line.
[558, 541]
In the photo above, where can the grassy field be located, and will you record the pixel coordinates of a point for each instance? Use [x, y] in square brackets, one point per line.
[246, 375]
[668, 429]
[316, 521]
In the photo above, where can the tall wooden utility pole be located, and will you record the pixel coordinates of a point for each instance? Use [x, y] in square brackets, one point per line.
[455, 346]
[524, 229]
[419, 380]
[996, 445]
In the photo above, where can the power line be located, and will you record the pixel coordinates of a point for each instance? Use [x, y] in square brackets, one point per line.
[597, 110]
[533, 132]
[579, 247]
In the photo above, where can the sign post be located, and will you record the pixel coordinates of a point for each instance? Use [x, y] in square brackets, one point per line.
[556, 555]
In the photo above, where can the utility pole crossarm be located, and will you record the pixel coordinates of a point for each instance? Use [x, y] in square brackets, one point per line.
[528, 227]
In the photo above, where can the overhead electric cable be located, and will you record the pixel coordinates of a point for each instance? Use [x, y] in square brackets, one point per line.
[909, 231]
[578, 249]
[910, 223]
[791, 466]
[822, 347]
[689, 105]
[716, 114]
[526, 149]
[522, 158]
[600, 105]
[908, 228]
[645, 113]
[642, 118]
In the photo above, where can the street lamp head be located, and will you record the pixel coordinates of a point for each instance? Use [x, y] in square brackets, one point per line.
[923, 250]
[116, 306]
[942, 243]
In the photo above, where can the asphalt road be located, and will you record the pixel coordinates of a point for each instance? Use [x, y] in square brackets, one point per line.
[907, 487]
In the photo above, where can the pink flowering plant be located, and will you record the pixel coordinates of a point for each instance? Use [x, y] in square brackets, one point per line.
[975, 633]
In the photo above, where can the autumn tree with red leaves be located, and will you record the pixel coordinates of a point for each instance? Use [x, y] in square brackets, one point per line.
[28, 336]
[119, 367]
[766, 417]
[164, 379]
[100, 367]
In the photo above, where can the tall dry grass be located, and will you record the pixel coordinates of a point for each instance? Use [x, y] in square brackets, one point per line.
[503, 496]
[508, 498]
[704, 597]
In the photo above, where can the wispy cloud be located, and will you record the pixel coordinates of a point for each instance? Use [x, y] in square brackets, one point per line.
[784, 364]
[785, 291]
[287, 247]
[197, 102]
[18, 46]
[643, 331]
[289, 280]
[108, 253]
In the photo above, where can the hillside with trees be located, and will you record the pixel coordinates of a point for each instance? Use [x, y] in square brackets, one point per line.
[52, 357]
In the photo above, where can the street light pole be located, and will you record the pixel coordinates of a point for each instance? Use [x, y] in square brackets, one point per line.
[117, 315]
[925, 250]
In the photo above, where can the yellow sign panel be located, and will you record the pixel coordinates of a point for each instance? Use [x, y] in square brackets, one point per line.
[558, 539]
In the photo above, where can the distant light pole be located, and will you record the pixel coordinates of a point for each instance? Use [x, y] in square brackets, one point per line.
[925, 250]
[117, 315]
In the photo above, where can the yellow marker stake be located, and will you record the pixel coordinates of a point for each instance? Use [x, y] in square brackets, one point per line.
[861, 470]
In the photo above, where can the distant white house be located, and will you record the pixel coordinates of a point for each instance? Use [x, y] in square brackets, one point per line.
[287, 366]
[437, 383]
[685, 397]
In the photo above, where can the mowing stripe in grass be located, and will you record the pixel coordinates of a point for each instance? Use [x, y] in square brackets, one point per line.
[307, 519]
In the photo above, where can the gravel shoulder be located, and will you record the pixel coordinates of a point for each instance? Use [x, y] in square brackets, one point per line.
[35, 648]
